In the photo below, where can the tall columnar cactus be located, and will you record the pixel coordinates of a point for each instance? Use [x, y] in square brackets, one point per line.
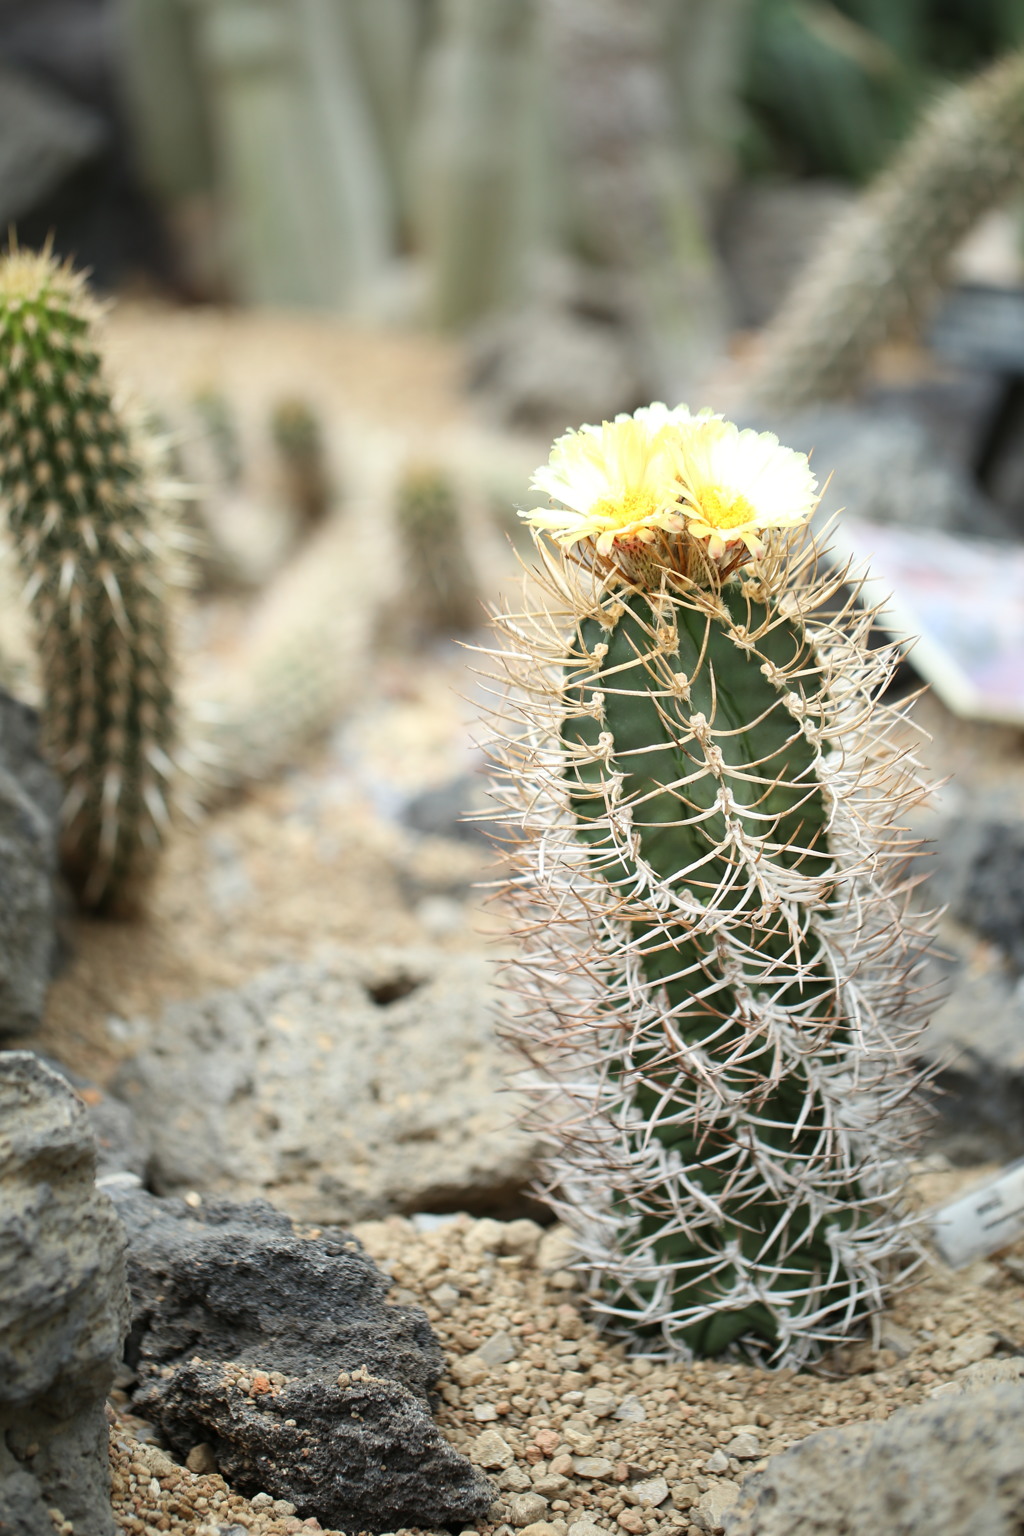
[715, 987]
[440, 594]
[882, 264]
[87, 532]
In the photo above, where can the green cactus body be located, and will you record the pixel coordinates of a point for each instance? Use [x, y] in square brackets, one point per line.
[766, 776]
[440, 591]
[715, 987]
[87, 536]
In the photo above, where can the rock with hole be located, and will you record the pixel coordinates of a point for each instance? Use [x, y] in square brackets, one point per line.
[365, 1084]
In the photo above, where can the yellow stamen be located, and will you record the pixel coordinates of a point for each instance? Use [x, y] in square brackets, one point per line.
[632, 507]
[721, 510]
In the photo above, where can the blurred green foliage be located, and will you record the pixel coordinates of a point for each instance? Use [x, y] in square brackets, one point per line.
[832, 85]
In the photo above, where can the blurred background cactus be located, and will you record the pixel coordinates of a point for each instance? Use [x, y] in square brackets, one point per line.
[302, 462]
[219, 428]
[91, 538]
[440, 591]
[882, 265]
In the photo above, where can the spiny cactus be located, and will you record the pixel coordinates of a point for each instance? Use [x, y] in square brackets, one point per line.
[882, 264]
[440, 594]
[220, 428]
[88, 536]
[299, 441]
[714, 989]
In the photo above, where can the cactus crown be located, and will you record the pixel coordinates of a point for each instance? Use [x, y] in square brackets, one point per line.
[715, 984]
[86, 531]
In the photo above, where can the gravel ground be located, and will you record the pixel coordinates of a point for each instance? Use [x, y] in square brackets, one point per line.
[576, 1434]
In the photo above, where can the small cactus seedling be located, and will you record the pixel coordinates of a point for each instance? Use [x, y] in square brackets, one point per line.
[714, 986]
[221, 430]
[88, 534]
[299, 441]
[440, 591]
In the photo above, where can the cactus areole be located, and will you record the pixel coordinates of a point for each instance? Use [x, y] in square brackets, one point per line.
[714, 987]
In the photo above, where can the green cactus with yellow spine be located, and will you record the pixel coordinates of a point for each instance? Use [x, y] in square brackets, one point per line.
[715, 987]
[90, 539]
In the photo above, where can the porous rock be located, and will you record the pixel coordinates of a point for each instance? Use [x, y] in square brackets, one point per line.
[274, 1346]
[975, 1034]
[29, 805]
[119, 1145]
[952, 1467]
[63, 1306]
[360, 1085]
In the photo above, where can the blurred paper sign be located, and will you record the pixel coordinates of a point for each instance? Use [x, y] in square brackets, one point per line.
[960, 601]
[988, 1217]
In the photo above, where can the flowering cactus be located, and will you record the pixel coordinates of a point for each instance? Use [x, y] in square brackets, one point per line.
[715, 984]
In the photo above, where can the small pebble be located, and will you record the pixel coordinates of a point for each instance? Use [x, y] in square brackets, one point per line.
[744, 1447]
[526, 1509]
[491, 1451]
[593, 1466]
[499, 1349]
[650, 1493]
[600, 1402]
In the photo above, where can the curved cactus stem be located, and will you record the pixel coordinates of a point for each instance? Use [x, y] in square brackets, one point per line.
[884, 261]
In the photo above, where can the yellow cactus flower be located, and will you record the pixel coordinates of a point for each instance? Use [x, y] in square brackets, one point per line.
[664, 471]
[618, 482]
[738, 484]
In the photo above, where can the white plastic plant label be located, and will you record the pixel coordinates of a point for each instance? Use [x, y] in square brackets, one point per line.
[985, 1219]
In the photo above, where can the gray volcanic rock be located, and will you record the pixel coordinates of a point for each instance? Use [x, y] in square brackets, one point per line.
[979, 871]
[119, 1145]
[274, 1346]
[29, 805]
[976, 1034]
[365, 1084]
[951, 1467]
[63, 1305]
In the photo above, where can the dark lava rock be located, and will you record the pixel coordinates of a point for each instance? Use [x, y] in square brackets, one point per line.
[29, 806]
[986, 891]
[360, 1456]
[453, 810]
[277, 1348]
[63, 1307]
